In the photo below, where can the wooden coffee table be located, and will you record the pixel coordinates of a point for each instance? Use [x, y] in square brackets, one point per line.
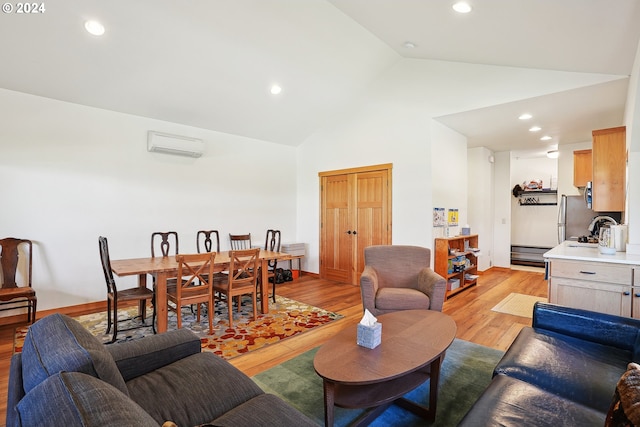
[412, 348]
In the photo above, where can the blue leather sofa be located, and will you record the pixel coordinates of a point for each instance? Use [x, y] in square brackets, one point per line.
[66, 377]
[562, 371]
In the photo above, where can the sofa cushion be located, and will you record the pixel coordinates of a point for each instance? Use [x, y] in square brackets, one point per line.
[401, 299]
[582, 371]
[510, 402]
[192, 391]
[58, 343]
[75, 399]
[264, 410]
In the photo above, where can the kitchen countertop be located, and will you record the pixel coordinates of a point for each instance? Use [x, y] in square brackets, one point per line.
[574, 251]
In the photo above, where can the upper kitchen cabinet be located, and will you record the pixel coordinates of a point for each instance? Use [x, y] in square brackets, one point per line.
[609, 169]
[582, 168]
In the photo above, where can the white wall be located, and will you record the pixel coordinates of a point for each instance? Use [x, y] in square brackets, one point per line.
[632, 121]
[501, 255]
[480, 182]
[534, 225]
[449, 175]
[72, 173]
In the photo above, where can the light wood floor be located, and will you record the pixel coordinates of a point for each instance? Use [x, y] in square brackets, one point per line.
[470, 309]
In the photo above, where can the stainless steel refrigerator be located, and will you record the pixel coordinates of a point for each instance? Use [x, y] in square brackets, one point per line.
[574, 218]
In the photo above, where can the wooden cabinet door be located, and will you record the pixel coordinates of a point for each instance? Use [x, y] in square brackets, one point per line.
[355, 213]
[594, 296]
[609, 169]
[582, 168]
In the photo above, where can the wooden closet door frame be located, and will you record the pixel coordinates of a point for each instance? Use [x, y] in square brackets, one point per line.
[359, 252]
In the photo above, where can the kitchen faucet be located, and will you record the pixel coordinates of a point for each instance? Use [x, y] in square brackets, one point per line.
[598, 222]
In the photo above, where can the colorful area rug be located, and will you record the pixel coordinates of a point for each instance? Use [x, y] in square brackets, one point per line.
[286, 318]
[465, 373]
[518, 305]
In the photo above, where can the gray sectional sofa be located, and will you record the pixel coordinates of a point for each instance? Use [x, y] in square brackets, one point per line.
[65, 376]
[562, 371]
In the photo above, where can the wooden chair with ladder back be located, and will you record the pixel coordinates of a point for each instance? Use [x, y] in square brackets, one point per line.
[240, 241]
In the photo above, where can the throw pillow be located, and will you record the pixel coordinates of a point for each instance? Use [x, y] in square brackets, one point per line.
[625, 408]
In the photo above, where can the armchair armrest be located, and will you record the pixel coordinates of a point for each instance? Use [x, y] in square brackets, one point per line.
[432, 284]
[369, 288]
[139, 357]
[601, 328]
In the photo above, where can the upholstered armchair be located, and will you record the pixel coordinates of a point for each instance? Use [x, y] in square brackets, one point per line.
[399, 277]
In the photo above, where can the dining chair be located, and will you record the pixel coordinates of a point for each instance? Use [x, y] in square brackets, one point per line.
[205, 239]
[243, 275]
[161, 243]
[272, 243]
[16, 260]
[115, 296]
[240, 241]
[209, 241]
[196, 286]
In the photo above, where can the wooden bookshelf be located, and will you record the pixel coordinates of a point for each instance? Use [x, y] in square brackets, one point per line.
[456, 259]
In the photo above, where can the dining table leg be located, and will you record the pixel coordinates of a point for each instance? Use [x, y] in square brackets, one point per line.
[264, 286]
[142, 304]
[161, 302]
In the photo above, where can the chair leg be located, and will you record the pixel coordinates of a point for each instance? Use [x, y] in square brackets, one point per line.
[108, 315]
[274, 291]
[210, 314]
[153, 316]
[115, 320]
[255, 303]
[230, 310]
[35, 303]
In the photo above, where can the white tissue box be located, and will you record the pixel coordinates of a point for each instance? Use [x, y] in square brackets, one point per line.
[369, 336]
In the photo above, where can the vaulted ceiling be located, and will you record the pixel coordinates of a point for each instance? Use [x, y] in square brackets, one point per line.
[211, 63]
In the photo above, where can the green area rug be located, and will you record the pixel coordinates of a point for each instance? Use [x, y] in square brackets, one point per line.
[465, 373]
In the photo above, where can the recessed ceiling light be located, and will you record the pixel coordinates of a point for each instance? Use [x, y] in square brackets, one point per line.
[525, 116]
[94, 27]
[535, 128]
[545, 138]
[462, 7]
[409, 45]
[275, 89]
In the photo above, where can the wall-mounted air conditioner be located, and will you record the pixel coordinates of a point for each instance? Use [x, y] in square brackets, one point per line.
[174, 144]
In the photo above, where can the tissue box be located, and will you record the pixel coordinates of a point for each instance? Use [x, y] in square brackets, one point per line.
[369, 336]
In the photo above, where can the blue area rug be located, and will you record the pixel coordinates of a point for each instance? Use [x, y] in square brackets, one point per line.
[465, 373]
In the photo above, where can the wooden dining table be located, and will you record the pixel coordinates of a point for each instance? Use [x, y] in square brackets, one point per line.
[163, 268]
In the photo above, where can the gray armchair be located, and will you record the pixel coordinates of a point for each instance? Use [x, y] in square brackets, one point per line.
[399, 277]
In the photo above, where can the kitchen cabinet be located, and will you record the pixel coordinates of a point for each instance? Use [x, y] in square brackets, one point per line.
[456, 259]
[604, 287]
[609, 169]
[582, 168]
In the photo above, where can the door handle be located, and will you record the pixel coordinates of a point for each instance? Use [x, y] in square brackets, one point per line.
[348, 232]
[354, 232]
[351, 232]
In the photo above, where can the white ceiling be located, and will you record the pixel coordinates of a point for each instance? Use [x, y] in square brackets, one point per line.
[210, 63]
